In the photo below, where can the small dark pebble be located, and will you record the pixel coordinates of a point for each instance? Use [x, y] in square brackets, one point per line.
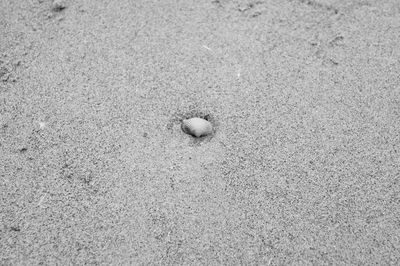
[14, 228]
[3, 71]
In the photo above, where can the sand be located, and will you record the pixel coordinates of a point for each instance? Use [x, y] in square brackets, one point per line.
[302, 169]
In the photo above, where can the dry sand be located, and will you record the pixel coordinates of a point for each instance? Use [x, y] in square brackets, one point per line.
[303, 167]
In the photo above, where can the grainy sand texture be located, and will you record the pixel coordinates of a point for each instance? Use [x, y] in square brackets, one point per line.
[302, 167]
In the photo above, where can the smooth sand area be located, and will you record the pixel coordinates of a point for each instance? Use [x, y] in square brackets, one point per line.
[303, 166]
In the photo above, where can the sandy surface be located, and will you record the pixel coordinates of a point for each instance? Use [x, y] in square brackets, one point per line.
[303, 167]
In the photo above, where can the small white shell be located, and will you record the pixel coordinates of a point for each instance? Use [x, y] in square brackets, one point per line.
[196, 127]
[59, 5]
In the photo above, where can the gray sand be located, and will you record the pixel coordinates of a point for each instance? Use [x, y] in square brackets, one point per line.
[303, 167]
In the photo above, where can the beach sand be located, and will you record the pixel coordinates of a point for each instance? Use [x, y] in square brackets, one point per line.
[302, 168]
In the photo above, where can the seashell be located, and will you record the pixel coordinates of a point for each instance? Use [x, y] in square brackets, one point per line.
[196, 127]
[59, 5]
